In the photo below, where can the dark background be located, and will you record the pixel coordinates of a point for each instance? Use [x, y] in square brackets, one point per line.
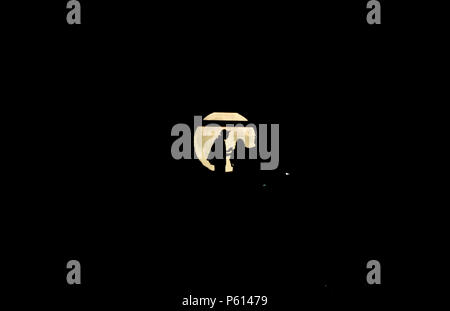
[104, 96]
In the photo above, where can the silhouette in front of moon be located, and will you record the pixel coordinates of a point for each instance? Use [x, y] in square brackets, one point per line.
[243, 164]
[218, 157]
[239, 156]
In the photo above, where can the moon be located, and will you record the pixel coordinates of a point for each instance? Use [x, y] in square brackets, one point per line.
[205, 136]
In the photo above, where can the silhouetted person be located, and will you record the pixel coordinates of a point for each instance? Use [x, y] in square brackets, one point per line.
[219, 164]
[245, 165]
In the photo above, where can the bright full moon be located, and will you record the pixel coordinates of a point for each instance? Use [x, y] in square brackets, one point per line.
[205, 136]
